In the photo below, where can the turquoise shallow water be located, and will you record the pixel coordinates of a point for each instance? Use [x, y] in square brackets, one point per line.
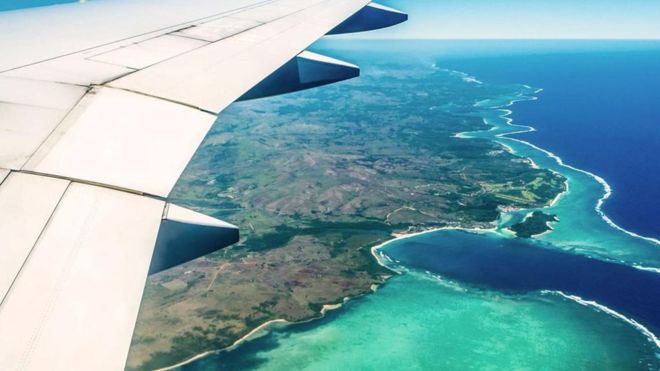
[491, 261]
[423, 320]
[418, 322]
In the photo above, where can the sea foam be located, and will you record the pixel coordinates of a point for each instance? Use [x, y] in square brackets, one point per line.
[607, 189]
[589, 303]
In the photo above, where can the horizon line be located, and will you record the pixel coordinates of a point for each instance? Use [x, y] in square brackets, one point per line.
[344, 37]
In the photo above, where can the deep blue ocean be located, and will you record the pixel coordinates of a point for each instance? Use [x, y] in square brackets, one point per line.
[520, 266]
[599, 111]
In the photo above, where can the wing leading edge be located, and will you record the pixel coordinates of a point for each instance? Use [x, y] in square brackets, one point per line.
[96, 128]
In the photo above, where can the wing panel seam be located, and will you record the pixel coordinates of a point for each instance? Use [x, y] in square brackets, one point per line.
[36, 242]
[233, 11]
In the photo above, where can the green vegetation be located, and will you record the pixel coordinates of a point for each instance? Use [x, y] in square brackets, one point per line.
[314, 180]
[536, 223]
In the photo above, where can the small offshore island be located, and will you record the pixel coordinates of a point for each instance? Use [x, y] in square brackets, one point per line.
[534, 224]
[314, 180]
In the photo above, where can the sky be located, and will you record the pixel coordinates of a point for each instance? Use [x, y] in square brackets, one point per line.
[525, 19]
[505, 19]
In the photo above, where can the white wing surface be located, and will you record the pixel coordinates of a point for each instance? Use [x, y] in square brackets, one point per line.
[102, 105]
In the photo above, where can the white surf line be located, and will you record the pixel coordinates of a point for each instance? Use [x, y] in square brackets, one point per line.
[464, 76]
[649, 269]
[506, 113]
[567, 189]
[607, 188]
[382, 259]
[589, 303]
[456, 286]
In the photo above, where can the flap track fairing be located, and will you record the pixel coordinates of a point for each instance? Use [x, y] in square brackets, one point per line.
[185, 235]
[307, 70]
[371, 17]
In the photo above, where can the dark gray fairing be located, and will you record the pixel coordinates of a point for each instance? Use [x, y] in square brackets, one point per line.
[371, 17]
[179, 242]
[305, 71]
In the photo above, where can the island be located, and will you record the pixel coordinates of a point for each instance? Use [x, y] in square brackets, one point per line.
[534, 224]
[314, 180]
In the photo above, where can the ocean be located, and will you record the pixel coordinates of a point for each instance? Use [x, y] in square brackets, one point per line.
[599, 111]
[22, 4]
[421, 322]
[519, 266]
[583, 296]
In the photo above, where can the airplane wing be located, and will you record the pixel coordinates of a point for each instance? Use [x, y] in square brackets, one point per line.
[102, 105]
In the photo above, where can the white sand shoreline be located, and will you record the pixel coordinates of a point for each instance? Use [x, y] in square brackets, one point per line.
[406, 235]
[265, 328]
[249, 336]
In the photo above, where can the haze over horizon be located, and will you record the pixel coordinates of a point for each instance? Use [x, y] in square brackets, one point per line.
[523, 19]
[502, 19]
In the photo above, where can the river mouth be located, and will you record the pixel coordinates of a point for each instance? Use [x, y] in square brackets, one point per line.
[517, 266]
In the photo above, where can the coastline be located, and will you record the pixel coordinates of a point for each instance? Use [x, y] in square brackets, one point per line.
[406, 235]
[607, 189]
[607, 192]
[592, 304]
[250, 335]
[264, 328]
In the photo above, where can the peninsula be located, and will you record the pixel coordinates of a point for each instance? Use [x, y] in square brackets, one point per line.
[314, 180]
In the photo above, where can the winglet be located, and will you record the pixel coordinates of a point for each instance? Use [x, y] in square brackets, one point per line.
[185, 235]
[371, 17]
